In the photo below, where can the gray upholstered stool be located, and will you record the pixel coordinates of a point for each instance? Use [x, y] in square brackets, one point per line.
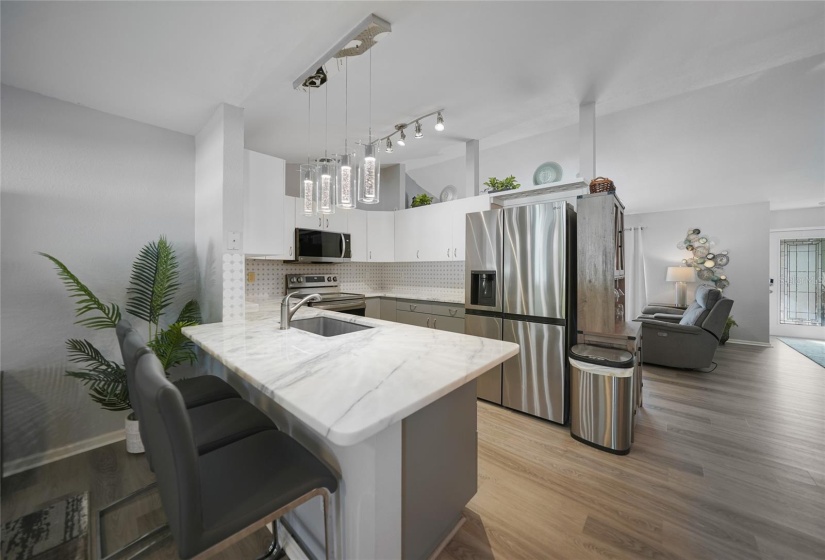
[217, 413]
[215, 499]
[195, 391]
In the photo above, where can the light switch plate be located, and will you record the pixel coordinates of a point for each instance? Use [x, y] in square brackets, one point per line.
[233, 241]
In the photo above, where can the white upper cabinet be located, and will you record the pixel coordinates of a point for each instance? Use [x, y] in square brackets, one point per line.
[380, 236]
[264, 229]
[332, 222]
[289, 227]
[357, 226]
[436, 232]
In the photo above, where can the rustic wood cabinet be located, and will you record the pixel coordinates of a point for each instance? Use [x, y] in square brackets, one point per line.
[600, 258]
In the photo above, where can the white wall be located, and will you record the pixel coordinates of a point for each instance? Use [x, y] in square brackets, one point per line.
[799, 218]
[218, 202]
[757, 138]
[91, 189]
[742, 230]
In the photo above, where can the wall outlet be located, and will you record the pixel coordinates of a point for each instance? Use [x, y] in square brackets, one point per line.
[233, 241]
[250, 277]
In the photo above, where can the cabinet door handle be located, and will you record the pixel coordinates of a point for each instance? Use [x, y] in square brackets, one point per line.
[453, 312]
[327, 222]
[412, 307]
[428, 322]
[290, 251]
[416, 255]
[435, 323]
[448, 252]
[455, 252]
[319, 222]
[370, 255]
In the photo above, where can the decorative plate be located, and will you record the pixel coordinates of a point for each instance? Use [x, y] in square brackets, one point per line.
[722, 284]
[548, 172]
[722, 259]
[449, 193]
[700, 251]
[705, 274]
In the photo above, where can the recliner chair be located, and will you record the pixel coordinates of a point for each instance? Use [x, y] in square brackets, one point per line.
[685, 339]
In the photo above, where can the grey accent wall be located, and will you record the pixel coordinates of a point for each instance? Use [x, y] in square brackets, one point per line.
[742, 230]
[91, 189]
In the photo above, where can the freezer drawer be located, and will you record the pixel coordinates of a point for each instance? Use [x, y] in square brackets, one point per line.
[535, 381]
[489, 383]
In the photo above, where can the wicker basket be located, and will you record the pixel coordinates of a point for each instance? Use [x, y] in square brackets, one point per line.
[601, 184]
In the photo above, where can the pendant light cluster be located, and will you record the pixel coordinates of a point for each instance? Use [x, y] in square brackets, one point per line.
[338, 182]
[400, 129]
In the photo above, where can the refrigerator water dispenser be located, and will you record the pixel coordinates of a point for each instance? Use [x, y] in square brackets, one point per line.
[483, 287]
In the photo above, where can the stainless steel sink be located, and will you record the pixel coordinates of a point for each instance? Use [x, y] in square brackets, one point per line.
[326, 326]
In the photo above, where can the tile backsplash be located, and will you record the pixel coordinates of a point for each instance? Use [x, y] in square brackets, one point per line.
[414, 279]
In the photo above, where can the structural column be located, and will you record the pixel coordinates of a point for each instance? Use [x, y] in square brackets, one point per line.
[587, 141]
[471, 165]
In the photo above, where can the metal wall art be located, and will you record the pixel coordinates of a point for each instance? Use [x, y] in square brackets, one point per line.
[708, 263]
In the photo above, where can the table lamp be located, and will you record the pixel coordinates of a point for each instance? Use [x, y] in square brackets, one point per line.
[681, 275]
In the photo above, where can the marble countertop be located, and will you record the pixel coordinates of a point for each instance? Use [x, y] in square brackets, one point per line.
[420, 297]
[349, 387]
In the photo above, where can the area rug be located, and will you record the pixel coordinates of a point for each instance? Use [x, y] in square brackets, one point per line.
[58, 531]
[813, 349]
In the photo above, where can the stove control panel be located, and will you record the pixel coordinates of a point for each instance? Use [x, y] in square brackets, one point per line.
[311, 281]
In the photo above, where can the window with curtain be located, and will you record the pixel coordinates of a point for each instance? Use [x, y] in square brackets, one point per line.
[801, 288]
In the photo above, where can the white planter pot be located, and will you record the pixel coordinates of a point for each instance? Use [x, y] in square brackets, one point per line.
[133, 442]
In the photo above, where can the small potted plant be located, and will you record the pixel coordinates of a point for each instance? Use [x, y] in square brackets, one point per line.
[506, 184]
[726, 333]
[421, 200]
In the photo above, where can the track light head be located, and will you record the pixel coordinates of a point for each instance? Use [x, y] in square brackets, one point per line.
[439, 122]
[389, 146]
[418, 133]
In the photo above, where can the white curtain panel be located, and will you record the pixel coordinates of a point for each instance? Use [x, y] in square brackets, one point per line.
[635, 284]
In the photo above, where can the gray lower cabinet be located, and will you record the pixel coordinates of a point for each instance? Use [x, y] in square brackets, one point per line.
[387, 309]
[373, 309]
[430, 315]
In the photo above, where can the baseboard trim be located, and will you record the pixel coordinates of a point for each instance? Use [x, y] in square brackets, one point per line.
[750, 343]
[40, 459]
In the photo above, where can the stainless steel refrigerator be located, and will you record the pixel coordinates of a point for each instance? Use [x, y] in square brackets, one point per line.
[519, 286]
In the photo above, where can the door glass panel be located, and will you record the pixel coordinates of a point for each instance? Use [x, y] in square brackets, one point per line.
[801, 297]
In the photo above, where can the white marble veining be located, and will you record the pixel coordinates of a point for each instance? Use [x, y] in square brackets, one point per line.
[349, 387]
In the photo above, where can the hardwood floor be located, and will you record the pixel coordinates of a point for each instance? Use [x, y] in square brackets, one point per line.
[729, 464]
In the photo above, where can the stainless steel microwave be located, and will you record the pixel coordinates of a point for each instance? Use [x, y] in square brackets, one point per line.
[318, 246]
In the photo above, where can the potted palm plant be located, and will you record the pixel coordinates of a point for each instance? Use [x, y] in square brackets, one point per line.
[152, 288]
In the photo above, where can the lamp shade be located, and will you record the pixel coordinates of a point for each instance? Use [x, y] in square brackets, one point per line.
[680, 274]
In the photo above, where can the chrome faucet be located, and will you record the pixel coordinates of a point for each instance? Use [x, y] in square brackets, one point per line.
[287, 312]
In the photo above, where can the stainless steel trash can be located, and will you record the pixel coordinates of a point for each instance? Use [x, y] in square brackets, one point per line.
[601, 397]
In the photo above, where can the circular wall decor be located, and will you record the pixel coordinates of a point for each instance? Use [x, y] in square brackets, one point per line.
[709, 265]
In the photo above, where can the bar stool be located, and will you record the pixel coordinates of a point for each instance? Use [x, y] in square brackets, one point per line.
[217, 413]
[215, 499]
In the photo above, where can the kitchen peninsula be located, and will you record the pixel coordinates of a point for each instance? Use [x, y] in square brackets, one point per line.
[391, 409]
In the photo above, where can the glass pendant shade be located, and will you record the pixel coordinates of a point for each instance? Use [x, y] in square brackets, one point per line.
[327, 186]
[308, 187]
[369, 175]
[346, 182]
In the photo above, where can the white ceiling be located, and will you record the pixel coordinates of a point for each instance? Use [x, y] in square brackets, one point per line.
[502, 70]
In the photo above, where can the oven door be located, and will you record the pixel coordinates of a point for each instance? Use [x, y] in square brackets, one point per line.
[348, 307]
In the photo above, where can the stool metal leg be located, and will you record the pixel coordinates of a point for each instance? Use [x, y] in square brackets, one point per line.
[141, 538]
[275, 550]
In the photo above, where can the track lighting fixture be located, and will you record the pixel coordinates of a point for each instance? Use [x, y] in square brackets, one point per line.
[439, 123]
[419, 133]
[402, 140]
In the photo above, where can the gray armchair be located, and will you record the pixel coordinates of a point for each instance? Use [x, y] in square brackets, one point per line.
[685, 339]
